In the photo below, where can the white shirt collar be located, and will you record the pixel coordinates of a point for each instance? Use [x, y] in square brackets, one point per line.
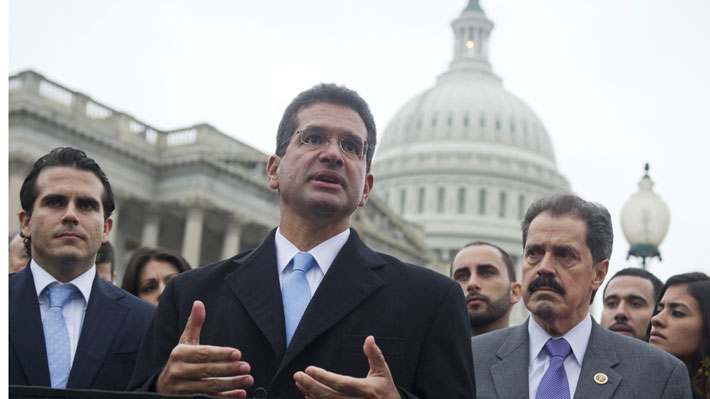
[42, 279]
[577, 337]
[324, 253]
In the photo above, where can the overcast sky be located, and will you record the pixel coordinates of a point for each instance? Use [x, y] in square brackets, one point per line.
[616, 83]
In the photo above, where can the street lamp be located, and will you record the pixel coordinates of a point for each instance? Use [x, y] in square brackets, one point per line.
[644, 219]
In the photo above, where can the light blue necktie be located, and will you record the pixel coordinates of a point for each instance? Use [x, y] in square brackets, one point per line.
[56, 334]
[296, 293]
[554, 384]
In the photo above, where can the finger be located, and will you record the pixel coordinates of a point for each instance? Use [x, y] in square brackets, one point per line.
[378, 364]
[314, 389]
[191, 334]
[216, 385]
[338, 382]
[204, 354]
[235, 393]
[195, 371]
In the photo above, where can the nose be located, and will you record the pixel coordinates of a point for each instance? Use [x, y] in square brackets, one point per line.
[621, 314]
[331, 152]
[473, 284]
[658, 320]
[547, 265]
[70, 214]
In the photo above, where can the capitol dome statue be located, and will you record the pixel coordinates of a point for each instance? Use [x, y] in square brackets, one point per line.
[466, 158]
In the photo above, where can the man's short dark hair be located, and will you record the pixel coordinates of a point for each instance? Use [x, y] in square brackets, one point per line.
[327, 93]
[509, 264]
[107, 254]
[599, 235]
[64, 156]
[636, 272]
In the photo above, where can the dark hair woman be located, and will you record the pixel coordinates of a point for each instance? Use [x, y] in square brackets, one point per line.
[149, 270]
[681, 326]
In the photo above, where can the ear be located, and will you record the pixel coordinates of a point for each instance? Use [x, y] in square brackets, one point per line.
[108, 224]
[599, 273]
[369, 182]
[25, 223]
[272, 167]
[516, 292]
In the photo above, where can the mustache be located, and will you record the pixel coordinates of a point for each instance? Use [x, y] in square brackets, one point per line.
[620, 323]
[478, 294]
[546, 282]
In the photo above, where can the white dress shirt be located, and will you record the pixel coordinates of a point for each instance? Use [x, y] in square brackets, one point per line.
[577, 337]
[73, 311]
[324, 254]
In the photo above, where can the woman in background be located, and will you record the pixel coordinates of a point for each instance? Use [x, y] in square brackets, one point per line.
[681, 326]
[149, 270]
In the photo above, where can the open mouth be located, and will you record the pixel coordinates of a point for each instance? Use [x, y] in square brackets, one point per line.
[328, 177]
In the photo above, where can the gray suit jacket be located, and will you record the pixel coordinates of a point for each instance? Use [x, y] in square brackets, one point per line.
[634, 368]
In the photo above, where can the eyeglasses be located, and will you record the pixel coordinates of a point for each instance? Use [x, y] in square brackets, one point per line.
[351, 146]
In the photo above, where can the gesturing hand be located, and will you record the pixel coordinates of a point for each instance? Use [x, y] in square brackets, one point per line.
[194, 368]
[322, 384]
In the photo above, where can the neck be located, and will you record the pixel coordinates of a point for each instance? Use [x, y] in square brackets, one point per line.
[503, 322]
[63, 271]
[558, 327]
[306, 234]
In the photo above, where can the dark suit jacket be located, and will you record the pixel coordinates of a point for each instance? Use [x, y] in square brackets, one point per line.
[634, 368]
[417, 316]
[114, 324]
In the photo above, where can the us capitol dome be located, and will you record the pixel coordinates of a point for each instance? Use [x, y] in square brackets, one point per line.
[465, 158]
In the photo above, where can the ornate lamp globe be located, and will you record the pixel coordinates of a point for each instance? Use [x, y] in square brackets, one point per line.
[645, 219]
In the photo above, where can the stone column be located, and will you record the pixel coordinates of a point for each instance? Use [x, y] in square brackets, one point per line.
[14, 205]
[192, 237]
[232, 237]
[151, 229]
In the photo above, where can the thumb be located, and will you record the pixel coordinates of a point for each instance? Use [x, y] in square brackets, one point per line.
[378, 365]
[191, 334]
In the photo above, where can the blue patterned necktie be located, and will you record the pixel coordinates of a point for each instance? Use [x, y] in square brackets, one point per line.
[554, 384]
[296, 293]
[56, 334]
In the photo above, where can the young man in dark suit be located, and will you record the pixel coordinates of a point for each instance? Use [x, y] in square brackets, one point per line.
[312, 311]
[69, 328]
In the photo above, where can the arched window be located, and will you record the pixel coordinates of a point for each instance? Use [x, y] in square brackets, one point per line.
[482, 202]
[420, 206]
[521, 207]
[501, 204]
[441, 198]
[402, 201]
[462, 200]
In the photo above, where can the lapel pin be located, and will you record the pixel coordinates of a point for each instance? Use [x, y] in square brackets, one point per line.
[600, 378]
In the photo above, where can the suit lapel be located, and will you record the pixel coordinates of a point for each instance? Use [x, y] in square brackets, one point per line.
[510, 375]
[26, 331]
[102, 321]
[599, 358]
[255, 283]
[348, 282]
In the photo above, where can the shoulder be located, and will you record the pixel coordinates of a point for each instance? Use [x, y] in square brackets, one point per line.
[630, 351]
[491, 341]
[139, 308]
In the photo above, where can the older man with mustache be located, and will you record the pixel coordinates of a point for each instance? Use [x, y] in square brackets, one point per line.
[560, 352]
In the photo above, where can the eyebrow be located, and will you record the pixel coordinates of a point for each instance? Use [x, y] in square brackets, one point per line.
[321, 129]
[628, 297]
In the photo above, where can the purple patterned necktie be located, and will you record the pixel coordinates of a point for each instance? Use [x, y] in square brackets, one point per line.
[554, 384]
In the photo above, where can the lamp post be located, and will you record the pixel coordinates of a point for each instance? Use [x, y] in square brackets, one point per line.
[644, 219]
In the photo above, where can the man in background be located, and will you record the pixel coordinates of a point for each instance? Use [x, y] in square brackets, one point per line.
[19, 258]
[106, 262]
[629, 300]
[486, 274]
[560, 352]
[68, 328]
